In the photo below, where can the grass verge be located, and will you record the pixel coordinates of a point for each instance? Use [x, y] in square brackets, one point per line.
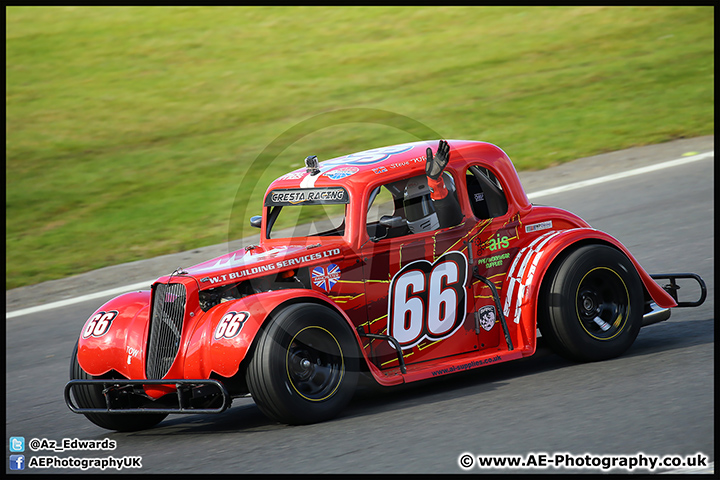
[129, 130]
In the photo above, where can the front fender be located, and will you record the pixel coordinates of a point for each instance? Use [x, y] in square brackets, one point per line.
[210, 349]
[528, 270]
[119, 346]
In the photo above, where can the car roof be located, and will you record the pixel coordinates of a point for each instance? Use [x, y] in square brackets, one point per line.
[367, 167]
[359, 173]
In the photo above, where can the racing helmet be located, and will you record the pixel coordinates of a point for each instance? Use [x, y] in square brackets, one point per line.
[419, 209]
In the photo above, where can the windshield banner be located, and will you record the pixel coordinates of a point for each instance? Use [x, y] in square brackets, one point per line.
[307, 196]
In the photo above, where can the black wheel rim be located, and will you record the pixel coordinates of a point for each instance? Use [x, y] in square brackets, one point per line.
[602, 303]
[314, 364]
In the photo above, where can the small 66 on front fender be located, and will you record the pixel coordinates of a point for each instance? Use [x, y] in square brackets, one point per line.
[222, 338]
[114, 335]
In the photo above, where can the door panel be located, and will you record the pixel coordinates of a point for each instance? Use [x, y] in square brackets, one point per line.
[493, 251]
[418, 291]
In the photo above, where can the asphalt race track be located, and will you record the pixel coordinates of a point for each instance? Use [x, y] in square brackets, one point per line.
[656, 400]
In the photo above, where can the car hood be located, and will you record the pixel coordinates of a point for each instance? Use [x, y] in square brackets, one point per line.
[258, 261]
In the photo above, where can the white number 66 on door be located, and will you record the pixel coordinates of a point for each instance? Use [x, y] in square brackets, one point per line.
[427, 300]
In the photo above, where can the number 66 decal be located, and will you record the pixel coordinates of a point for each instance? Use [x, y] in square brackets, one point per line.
[427, 300]
[99, 324]
[230, 324]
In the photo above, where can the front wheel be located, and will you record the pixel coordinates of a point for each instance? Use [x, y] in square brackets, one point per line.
[91, 396]
[305, 365]
[590, 305]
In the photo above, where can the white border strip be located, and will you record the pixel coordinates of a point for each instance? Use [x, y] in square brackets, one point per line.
[541, 193]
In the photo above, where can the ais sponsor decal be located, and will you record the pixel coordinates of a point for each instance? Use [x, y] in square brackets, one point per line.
[498, 243]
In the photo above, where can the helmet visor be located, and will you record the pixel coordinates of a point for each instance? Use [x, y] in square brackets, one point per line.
[418, 208]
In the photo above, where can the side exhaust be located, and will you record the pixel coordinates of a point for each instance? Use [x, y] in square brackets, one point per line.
[655, 315]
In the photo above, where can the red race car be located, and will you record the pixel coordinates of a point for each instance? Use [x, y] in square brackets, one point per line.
[423, 259]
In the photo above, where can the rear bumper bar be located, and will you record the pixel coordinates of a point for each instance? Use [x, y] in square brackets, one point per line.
[659, 314]
[673, 287]
[127, 396]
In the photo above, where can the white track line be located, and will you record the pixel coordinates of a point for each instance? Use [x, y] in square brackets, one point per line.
[618, 176]
[541, 193]
[710, 469]
[83, 298]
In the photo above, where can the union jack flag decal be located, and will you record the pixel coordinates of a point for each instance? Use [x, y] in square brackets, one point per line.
[325, 279]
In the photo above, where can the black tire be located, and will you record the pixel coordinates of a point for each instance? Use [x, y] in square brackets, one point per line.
[591, 304]
[305, 366]
[90, 396]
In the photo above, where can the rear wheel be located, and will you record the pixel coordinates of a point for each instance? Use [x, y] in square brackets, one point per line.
[590, 305]
[305, 366]
[91, 396]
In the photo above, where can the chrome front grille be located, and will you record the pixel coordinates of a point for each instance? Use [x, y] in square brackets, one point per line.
[168, 312]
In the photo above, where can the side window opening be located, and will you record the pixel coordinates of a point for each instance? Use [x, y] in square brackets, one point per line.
[405, 207]
[385, 202]
[486, 194]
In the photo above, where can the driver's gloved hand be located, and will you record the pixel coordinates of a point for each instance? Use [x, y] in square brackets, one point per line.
[434, 165]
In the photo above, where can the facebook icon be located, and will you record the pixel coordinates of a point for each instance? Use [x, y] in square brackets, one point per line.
[17, 462]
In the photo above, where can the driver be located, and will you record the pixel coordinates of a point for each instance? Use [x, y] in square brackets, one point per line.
[430, 204]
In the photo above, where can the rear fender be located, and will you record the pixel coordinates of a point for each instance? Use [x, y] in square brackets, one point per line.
[226, 333]
[528, 270]
[114, 336]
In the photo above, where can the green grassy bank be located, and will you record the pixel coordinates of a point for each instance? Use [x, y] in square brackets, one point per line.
[130, 131]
